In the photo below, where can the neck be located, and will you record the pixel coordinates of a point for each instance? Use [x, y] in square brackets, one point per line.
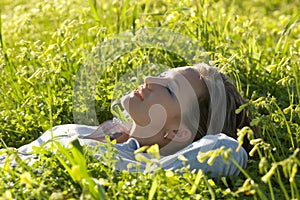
[146, 135]
[151, 135]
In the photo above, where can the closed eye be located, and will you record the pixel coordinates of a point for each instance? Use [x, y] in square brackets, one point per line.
[169, 91]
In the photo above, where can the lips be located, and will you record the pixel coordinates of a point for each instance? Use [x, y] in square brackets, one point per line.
[139, 93]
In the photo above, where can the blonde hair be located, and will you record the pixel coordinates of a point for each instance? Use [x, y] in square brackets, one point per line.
[217, 107]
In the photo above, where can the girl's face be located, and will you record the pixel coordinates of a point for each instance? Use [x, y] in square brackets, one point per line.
[159, 103]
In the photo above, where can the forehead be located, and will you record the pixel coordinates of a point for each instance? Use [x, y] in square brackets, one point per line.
[192, 76]
[187, 72]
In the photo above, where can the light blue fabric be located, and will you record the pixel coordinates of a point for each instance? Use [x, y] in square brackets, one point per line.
[125, 151]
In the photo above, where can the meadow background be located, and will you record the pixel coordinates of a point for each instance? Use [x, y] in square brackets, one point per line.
[43, 44]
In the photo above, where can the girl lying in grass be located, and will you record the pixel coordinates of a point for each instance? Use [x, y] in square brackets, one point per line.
[184, 111]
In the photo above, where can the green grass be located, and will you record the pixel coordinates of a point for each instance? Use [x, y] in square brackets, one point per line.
[44, 44]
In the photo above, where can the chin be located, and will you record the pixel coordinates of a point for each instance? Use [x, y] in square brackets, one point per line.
[139, 120]
[125, 102]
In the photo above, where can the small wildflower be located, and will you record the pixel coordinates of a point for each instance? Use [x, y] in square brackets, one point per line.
[182, 158]
[212, 159]
[141, 150]
[7, 195]
[141, 158]
[294, 172]
[26, 179]
[103, 182]
[269, 174]
[253, 150]
[211, 182]
[173, 17]
[154, 151]
[169, 173]
[76, 172]
[203, 156]
[263, 165]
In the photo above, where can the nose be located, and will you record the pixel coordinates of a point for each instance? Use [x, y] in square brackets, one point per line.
[151, 81]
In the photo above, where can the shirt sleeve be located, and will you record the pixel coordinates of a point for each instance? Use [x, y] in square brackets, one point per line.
[125, 151]
[125, 156]
[207, 143]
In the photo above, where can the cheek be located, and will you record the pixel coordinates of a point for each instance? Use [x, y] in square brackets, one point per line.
[173, 108]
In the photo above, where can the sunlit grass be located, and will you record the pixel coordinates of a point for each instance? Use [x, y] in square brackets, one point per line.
[44, 43]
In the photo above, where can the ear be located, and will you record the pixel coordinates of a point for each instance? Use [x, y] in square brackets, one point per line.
[181, 135]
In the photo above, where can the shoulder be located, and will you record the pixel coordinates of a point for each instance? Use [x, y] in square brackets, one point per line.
[130, 145]
[210, 142]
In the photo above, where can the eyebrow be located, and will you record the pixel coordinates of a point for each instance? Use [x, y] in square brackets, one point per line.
[164, 74]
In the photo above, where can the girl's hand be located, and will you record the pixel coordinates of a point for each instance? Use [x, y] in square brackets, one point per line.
[113, 128]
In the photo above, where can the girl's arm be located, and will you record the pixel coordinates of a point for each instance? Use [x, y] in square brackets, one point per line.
[114, 128]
